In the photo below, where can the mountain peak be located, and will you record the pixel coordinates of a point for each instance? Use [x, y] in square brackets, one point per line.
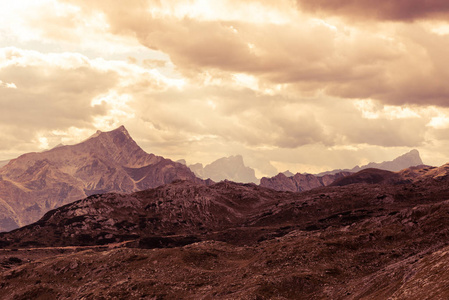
[231, 168]
[410, 158]
[120, 129]
[288, 173]
[106, 162]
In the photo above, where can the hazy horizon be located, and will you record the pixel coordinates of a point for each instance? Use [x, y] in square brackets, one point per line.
[307, 86]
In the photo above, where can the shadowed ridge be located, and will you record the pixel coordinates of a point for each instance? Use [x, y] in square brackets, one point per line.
[370, 176]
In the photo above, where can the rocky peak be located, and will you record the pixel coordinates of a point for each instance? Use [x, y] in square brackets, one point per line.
[230, 168]
[412, 158]
[288, 173]
[106, 162]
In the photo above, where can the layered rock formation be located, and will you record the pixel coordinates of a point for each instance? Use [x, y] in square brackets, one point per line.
[227, 168]
[34, 183]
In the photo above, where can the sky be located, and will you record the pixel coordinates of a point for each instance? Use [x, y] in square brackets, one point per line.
[302, 85]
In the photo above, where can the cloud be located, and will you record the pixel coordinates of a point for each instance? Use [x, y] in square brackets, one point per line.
[393, 63]
[397, 10]
[50, 93]
[203, 81]
[7, 85]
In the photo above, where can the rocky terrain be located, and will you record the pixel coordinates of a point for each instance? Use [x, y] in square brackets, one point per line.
[379, 235]
[300, 182]
[226, 168]
[35, 183]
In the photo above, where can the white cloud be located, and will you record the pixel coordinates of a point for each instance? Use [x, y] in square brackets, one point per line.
[8, 85]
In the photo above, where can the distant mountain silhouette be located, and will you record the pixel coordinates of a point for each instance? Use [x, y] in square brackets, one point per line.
[34, 183]
[304, 182]
[288, 173]
[227, 168]
[404, 161]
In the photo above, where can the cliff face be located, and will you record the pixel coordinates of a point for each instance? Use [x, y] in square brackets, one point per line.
[34, 183]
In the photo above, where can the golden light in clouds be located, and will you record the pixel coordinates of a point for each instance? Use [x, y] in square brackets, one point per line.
[300, 85]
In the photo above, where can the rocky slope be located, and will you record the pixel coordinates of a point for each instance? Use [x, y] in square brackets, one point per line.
[227, 168]
[34, 183]
[300, 182]
[362, 240]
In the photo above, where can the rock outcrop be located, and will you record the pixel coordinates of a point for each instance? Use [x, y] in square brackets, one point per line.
[300, 182]
[34, 183]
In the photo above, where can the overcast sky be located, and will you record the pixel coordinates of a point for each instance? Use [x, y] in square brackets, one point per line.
[302, 85]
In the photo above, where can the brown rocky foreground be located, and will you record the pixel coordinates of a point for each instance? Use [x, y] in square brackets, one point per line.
[376, 235]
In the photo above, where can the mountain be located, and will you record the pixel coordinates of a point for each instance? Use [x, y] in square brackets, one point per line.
[184, 240]
[182, 162]
[304, 182]
[198, 211]
[404, 161]
[288, 173]
[179, 208]
[34, 183]
[227, 168]
[299, 182]
[378, 176]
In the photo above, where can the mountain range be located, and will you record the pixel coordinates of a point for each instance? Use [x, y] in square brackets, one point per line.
[379, 235]
[111, 161]
[106, 220]
[35, 183]
[233, 168]
[411, 158]
[303, 182]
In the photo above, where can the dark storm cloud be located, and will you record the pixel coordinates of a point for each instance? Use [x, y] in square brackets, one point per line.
[388, 10]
